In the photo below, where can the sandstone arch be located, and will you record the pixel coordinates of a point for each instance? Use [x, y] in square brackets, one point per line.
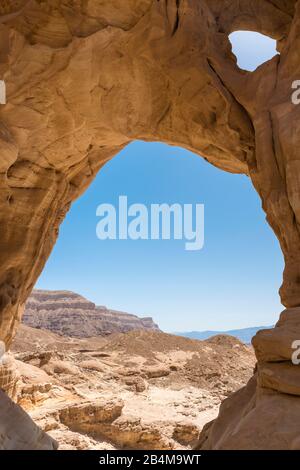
[85, 78]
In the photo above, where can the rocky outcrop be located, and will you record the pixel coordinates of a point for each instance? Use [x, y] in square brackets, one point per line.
[69, 314]
[84, 79]
[8, 375]
[18, 431]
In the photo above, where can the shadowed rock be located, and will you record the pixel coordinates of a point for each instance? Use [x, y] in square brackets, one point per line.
[18, 431]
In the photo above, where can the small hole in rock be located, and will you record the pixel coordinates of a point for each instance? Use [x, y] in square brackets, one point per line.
[262, 49]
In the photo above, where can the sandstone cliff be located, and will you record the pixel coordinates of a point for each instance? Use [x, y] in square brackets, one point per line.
[70, 314]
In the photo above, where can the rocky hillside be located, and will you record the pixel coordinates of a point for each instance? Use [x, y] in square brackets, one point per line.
[69, 314]
[136, 390]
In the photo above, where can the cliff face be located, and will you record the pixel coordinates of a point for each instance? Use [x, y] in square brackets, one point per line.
[67, 313]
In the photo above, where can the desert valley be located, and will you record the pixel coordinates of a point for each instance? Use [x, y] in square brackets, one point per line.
[131, 386]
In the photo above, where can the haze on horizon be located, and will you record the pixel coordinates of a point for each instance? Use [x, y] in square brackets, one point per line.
[212, 289]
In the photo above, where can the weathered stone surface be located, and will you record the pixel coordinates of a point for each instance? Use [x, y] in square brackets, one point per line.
[275, 345]
[87, 415]
[275, 349]
[70, 314]
[281, 377]
[18, 431]
[8, 375]
[85, 79]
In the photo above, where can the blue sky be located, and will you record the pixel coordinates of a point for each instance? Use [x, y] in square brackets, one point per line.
[231, 283]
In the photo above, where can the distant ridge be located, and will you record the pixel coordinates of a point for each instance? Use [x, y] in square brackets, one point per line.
[69, 314]
[244, 334]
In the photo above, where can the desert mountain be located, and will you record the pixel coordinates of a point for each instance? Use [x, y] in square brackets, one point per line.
[243, 334]
[69, 314]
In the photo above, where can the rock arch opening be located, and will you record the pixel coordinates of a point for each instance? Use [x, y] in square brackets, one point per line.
[141, 276]
[186, 298]
[263, 48]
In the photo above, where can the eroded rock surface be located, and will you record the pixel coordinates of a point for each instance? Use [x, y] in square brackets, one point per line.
[18, 431]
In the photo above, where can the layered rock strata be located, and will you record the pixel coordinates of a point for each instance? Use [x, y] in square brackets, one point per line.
[69, 314]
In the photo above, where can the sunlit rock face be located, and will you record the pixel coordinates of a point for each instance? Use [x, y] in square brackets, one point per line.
[86, 78]
[69, 314]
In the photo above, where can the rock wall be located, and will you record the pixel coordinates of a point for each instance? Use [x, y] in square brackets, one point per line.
[85, 78]
[69, 314]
